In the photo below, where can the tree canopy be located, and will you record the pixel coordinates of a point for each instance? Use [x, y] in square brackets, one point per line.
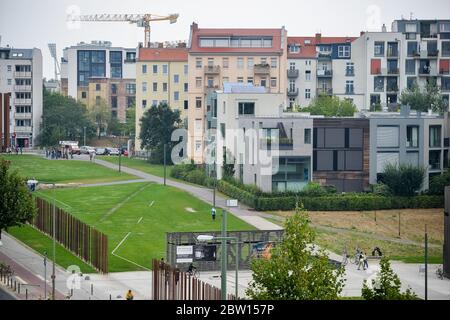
[295, 270]
[424, 99]
[100, 115]
[16, 204]
[63, 119]
[331, 106]
[403, 180]
[157, 125]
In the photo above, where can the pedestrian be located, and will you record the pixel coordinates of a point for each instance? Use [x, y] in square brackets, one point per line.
[213, 213]
[366, 261]
[129, 295]
[90, 156]
[21, 150]
[360, 261]
[17, 150]
[176, 273]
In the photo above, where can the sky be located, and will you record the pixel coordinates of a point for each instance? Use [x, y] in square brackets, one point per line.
[31, 23]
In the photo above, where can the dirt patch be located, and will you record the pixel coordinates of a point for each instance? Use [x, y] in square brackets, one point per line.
[190, 210]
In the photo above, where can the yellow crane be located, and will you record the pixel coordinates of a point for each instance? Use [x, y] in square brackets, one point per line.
[141, 20]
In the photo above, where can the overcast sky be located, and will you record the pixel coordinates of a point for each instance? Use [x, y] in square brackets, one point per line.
[31, 23]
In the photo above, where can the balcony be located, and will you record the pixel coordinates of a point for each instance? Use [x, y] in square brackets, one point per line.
[22, 101]
[445, 88]
[20, 88]
[292, 93]
[433, 54]
[324, 73]
[444, 72]
[24, 74]
[324, 56]
[23, 129]
[393, 71]
[292, 73]
[324, 91]
[285, 144]
[211, 87]
[427, 72]
[391, 53]
[212, 70]
[130, 60]
[392, 88]
[261, 69]
[22, 116]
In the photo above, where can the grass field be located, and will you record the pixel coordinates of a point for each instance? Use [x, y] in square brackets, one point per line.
[63, 171]
[140, 213]
[336, 230]
[138, 164]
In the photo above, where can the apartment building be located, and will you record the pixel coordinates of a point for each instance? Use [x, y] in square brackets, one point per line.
[21, 97]
[100, 73]
[321, 66]
[162, 77]
[425, 52]
[218, 56]
[270, 148]
[408, 138]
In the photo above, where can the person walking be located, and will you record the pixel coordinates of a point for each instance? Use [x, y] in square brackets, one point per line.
[129, 295]
[360, 261]
[213, 213]
[366, 261]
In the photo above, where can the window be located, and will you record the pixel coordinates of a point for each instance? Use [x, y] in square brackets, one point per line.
[411, 28]
[114, 102]
[344, 51]
[307, 94]
[307, 139]
[250, 80]
[176, 96]
[225, 63]
[210, 82]
[349, 87]
[435, 136]
[113, 88]
[240, 63]
[246, 108]
[186, 69]
[155, 86]
[412, 48]
[378, 84]
[375, 66]
[198, 63]
[144, 68]
[186, 104]
[83, 95]
[198, 82]
[273, 62]
[198, 145]
[263, 60]
[308, 75]
[293, 174]
[350, 70]
[144, 86]
[308, 62]
[130, 88]
[186, 87]
[23, 109]
[115, 59]
[250, 63]
[198, 102]
[263, 82]
[155, 103]
[198, 124]
[98, 87]
[8, 68]
[379, 49]
[176, 78]
[165, 68]
[240, 80]
[144, 103]
[131, 101]
[273, 82]
[446, 48]
[388, 137]
[165, 86]
[412, 136]
[386, 158]
[435, 160]
[293, 48]
[97, 100]
[410, 66]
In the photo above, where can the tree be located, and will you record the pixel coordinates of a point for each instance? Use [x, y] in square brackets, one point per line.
[438, 183]
[228, 164]
[130, 124]
[331, 106]
[100, 114]
[63, 119]
[294, 271]
[157, 125]
[16, 204]
[386, 286]
[428, 98]
[403, 180]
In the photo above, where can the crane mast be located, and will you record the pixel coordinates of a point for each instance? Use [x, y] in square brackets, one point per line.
[141, 20]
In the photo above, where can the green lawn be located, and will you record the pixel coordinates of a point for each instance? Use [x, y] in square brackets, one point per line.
[138, 164]
[162, 209]
[63, 171]
[41, 243]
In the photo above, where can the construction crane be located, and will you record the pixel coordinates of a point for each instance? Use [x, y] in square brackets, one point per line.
[141, 20]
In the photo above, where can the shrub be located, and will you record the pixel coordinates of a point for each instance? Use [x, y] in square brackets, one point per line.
[438, 184]
[381, 190]
[403, 180]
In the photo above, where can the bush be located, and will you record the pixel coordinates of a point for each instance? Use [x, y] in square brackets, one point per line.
[192, 174]
[403, 180]
[438, 184]
[381, 190]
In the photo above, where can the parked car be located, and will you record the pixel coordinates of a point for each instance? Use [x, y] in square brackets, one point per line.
[125, 153]
[112, 151]
[87, 150]
[101, 151]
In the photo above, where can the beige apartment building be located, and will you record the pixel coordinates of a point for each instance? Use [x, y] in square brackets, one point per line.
[218, 56]
[161, 77]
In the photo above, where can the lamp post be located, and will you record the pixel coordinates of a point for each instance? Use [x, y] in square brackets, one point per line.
[84, 135]
[54, 246]
[165, 162]
[426, 263]
[45, 275]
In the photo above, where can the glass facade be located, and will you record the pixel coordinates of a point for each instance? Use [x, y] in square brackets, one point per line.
[115, 59]
[293, 175]
[91, 63]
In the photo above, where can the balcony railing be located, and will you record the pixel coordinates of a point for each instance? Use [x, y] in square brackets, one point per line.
[324, 91]
[324, 73]
[433, 53]
[392, 53]
[22, 101]
[261, 69]
[292, 92]
[444, 71]
[393, 71]
[212, 69]
[379, 89]
[427, 72]
[445, 88]
[25, 74]
[21, 116]
[392, 88]
[292, 73]
[22, 129]
[22, 88]
[324, 56]
[283, 143]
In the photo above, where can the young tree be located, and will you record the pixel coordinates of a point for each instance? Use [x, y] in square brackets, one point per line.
[100, 114]
[16, 204]
[157, 126]
[331, 106]
[386, 286]
[130, 124]
[294, 271]
[403, 180]
[428, 98]
[228, 164]
[63, 119]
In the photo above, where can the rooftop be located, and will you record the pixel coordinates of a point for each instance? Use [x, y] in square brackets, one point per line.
[308, 44]
[229, 87]
[163, 54]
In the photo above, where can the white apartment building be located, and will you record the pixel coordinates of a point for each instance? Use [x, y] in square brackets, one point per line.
[21, 76]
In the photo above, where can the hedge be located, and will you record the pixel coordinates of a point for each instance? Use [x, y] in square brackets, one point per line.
[347, 202]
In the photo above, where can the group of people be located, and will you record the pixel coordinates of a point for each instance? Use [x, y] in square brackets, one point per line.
[16, 150]
[360, 257]
[56, 154]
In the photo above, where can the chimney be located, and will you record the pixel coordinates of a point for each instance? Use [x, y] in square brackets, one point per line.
[160, 45]
[181, 45]
[362, 33]
[384, 28]
[318, 37]
[194, 26]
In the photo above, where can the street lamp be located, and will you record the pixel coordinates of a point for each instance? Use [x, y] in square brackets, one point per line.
[45, 275]
[54, 246]
[208, 238]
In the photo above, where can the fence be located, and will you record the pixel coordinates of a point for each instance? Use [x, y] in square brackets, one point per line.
[172, 284]
[81, 239]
